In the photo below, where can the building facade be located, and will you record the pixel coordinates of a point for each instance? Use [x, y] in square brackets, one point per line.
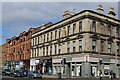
[80, 45]
[18, 51]
[2, 55]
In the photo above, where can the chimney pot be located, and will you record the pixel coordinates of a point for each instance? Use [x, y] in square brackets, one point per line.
[100, 9]
[112, 13]
[68, 14]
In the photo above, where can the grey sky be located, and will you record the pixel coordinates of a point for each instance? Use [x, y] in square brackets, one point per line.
[20, 16]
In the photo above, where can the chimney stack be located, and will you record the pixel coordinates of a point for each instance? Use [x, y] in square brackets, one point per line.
[67, 14]
[112, 13]
[100, 9]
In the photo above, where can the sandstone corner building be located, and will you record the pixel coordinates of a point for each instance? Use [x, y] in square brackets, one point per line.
[80, 45]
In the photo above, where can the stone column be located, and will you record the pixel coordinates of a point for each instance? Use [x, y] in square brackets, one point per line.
[77, 45]
[114, 68]
[86, 69]
[53, 49]
[71, 46]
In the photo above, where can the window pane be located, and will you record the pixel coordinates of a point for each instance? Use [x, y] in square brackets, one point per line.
[80, 42]
[68, 45]
[74, 44]
[94, 43]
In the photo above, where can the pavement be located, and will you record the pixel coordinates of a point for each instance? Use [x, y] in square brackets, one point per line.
[51, 77]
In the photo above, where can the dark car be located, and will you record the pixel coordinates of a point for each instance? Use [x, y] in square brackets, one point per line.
[16, 73]
[34, 74]
[24, 73]
[6, 72]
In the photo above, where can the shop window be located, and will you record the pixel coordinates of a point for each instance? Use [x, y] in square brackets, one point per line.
[80, 26]
[74, 28]
[78, 71]
[94, 71]
[73, 70]
[94, 45]
[106, 70]
[80, 45]
[109, 47]
[68, 47]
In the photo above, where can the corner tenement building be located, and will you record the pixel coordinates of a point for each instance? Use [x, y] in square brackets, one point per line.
[79, 45]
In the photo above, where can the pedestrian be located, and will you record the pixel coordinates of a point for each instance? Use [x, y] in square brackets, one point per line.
[111, 75]
[114, 75]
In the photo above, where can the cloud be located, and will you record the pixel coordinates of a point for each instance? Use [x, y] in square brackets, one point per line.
[32, 12]
[20, 16]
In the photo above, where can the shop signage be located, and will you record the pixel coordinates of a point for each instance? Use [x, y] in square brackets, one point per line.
[32, 62]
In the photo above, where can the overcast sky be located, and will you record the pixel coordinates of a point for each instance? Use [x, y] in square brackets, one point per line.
[20, 16]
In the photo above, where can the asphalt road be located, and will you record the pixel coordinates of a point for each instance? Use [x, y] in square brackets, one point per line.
[17, 78]
[25, 78]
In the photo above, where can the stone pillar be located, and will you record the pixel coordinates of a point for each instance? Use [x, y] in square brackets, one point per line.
[77, 27]
[86, 42]
[53, 49]
[77, 45]
[86, 69]
[71, 29]
[71, 46]
[114, 68]
[69, 70]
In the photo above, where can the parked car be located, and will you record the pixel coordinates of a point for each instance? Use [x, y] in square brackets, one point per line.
[6, 72]
[24, 73]
[16, 73]
[34, 74]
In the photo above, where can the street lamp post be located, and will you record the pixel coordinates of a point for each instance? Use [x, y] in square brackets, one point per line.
[99, 49]
[115, 52]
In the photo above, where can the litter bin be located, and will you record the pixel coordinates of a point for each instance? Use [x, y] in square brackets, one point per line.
[59, 75]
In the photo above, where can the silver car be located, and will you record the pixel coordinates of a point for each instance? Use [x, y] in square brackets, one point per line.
[34, 74]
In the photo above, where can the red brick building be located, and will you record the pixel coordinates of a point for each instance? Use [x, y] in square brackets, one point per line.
[18, 50]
